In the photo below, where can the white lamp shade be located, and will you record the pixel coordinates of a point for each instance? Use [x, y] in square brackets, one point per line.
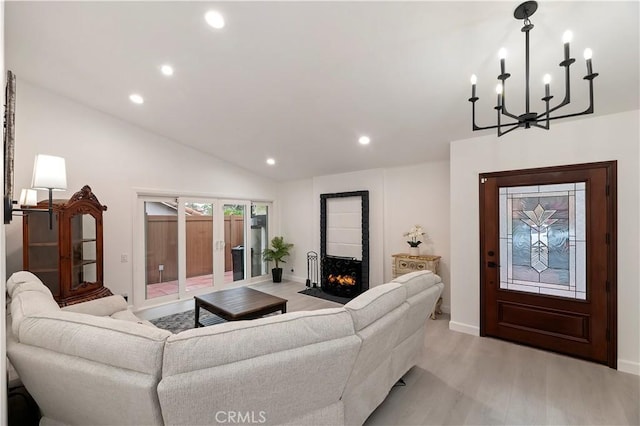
[49, 172]
[28, 197]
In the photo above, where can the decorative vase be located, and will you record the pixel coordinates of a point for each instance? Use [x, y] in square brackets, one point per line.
[414, 251]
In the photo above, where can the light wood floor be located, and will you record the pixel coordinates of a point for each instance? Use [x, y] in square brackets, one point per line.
[295, 301]
[469, 380]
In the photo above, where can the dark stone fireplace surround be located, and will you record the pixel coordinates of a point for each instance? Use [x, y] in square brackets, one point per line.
[325, 263]
[337, 266]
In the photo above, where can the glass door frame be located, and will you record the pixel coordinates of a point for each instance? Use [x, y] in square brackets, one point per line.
[140, 265]
[139, 291]
[269, 206]
[246, 230]
[139, 299]
[182, 246]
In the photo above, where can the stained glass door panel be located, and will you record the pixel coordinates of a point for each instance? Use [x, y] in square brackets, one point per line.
[543, 239]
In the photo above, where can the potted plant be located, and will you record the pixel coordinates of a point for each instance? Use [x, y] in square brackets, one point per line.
[276, 254]
[415, 233]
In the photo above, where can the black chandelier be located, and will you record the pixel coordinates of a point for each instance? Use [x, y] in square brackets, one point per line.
[529, 118]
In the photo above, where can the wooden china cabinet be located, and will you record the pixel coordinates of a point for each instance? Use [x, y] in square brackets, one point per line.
[68, 258]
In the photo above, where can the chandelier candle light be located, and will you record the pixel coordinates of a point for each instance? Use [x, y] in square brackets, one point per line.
[529, 118]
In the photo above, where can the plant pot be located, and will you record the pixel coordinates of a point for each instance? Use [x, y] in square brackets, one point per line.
[414, 251]
[276, 274]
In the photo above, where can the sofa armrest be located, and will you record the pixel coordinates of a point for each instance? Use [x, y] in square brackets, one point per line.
[102, 307]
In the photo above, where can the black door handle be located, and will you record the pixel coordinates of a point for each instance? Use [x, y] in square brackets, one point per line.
[492, 264]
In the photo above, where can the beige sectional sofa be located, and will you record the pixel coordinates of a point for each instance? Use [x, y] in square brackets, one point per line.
[97, 363]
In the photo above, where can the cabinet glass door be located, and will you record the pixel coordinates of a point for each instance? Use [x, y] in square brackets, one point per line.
[43, 250]
[83, 250]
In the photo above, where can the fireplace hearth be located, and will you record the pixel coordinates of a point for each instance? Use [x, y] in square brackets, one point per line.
[341, 276]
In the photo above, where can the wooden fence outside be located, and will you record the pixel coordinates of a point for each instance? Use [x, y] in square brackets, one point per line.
[162, 245]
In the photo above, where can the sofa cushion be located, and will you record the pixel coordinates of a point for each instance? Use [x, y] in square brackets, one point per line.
[127, 315]
[371, 377]
[105, 340]
[267, 335]
[285, 366]
[76, 391]
[25, 281]
[28, 303]
[375, 303]
[418, 281]
[103, 307]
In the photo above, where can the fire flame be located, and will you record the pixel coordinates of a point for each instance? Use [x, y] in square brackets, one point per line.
[342, 279]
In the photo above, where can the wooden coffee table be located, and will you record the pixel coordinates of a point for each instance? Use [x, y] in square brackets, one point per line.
[236, 304]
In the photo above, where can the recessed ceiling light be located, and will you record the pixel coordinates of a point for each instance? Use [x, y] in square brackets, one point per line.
[214, 19]
[364, 140]
[167, 70]
[136, 99]
[271, 161]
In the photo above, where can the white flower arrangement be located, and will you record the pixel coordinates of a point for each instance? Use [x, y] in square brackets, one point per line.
[414, 234]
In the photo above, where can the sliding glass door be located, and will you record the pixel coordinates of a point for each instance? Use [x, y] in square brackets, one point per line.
[259, 237]
[161, 248]
[234, 241]
[183, 248]
[197, 245]
[199, 226]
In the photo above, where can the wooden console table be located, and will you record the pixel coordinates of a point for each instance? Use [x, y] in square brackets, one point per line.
[403, 263]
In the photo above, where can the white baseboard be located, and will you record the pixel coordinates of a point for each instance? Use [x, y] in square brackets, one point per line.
[629, 367]
[168, 308]
[445, 309]
[464, 328]
[294, 278]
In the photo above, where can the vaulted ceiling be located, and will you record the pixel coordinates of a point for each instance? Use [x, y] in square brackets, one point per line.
[301, 81]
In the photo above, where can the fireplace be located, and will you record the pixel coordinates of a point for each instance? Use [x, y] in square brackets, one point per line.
[344, 233]
[341, 276]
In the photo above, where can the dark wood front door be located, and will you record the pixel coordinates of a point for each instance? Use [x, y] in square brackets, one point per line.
[548, 259]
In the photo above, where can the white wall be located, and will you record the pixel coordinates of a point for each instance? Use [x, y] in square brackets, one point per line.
[114, 157]
[300, 217]
[367, 180]
[398, 199]
[296, 218]
[612, 137]
[418, 194]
